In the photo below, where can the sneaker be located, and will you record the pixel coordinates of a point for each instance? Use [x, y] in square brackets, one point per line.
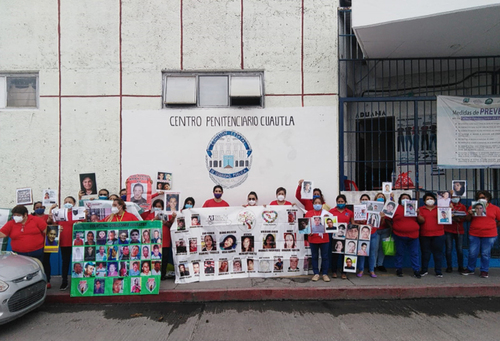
[49, 285]
[344, 276]
[449, 270]
[326, 278]
[381, 268]
[315, 278]
[484, 274]
[423, 273]
[439, 275]
[418, 274]
[399, 273]
[64, 287]
[467, 272]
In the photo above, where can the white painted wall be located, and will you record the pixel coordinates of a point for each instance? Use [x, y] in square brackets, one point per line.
[89, 121]
[281, 154]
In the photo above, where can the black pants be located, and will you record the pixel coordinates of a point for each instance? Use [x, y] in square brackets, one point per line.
[66, 261]
[46, 265]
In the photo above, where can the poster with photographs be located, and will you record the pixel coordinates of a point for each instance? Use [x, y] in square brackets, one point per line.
[51, 239]
[360, 213]
[164, 181]
[443, 199]
[444, 215]
[98, 209]
[60, 214]
[49, 197]
[139, 190]
[24, 196]
[374, 206]
[386, 187]
[331, 224]
[459, 188]
[304, 226]
[119, 258]
[350, 263]
[88, 185]
[410, 208]
[478, 209]
[390, 208]
[172, 201]
[306, 190]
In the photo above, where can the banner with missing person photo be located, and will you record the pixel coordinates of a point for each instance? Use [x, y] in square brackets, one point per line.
[119, 258]
[235, 242]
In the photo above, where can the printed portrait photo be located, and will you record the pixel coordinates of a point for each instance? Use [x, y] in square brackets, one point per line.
[87, 184]
[100, 270]
[351, 246]
[193, 245]
[478, 209]
[172, 202]
[139, 193]
[444, 216]
[135, 285]
[317, 225]
[363, 248]
[180, 246]
[237, 265]
[181, 224]
[306, 191]
[386, 187]
[196, 268]
[374, 219]
[247, 244]
[410, 208]
[459, 188]
[250, 264]
[228, 242]
[365, 232]
[209, 267]
[223, 266]
[269, 241]
[304, 226]
[195, 220]
[341, 231]
[99, 286]
[390, 208]
[118, 286]
[52, 237]
[350, 263]
[331, 224]
[183, 269]
[293, 264]
[278, 264]
[443, 199]
[208, 243]
[352, 232]
[338, 245]
[290, 241]
[292, 216]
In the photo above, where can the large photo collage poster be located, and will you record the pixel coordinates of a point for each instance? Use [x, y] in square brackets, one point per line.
[120, 258]
[236, 242]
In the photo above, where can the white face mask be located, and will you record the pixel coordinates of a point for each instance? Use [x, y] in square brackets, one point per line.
[281, 197]
[483, 201]
[429, 202]
[68, 205]
[251, 202]
[17, 218]
[114, 210]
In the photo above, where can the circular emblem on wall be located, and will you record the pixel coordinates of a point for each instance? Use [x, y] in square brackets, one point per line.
[229, 158]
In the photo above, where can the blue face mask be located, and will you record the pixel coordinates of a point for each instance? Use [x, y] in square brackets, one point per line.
[40, 211]
[317, 207]
[68, 205]
[341, 206]
[364, 202]
[188, 206]
[124, 197]
[380, 199]
[103, 197]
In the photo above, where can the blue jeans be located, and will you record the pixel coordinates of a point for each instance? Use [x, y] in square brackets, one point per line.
[432, 245]
[38, 254]
[374, 243]
[410, 244]
[315, 248]
[459, 240]
[384, 233]
[485, 243]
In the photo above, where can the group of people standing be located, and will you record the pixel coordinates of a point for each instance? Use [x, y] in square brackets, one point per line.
[421, 236]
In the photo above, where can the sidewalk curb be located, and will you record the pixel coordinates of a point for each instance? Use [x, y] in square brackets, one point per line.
[278, 294]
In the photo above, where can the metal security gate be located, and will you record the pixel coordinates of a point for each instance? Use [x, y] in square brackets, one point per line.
[387, 117]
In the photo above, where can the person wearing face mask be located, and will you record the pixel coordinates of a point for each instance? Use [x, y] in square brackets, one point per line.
[319, 242]
[482, 234]
[406, 232]
[65, 237]
[39, 211]
[217, 200]
[26, 233]
[454, 232]
[431, 235]
[151, 214]
[119, 213]
[251, 199]
[383, 232]
[280, 197]
[346, 216]
[308, 203]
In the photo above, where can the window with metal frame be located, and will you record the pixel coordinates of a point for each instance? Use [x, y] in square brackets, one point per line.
[18, 90]
[213, 90]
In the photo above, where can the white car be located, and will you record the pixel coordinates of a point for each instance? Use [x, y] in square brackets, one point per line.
[23, 285]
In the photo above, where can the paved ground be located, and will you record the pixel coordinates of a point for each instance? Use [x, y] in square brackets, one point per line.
[386, 286]
[417, 319]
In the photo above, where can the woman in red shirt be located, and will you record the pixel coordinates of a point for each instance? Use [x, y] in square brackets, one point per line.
[346, 216]
[280, 197]
[431, 235]
[405, 231]
[482, 234]
[455, 232]
[319, 242]
[26, 233]
[308, 203]
[65, 238]
[119, 212]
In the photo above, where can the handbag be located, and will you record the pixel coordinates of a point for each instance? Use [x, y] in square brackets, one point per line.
[388, 246]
